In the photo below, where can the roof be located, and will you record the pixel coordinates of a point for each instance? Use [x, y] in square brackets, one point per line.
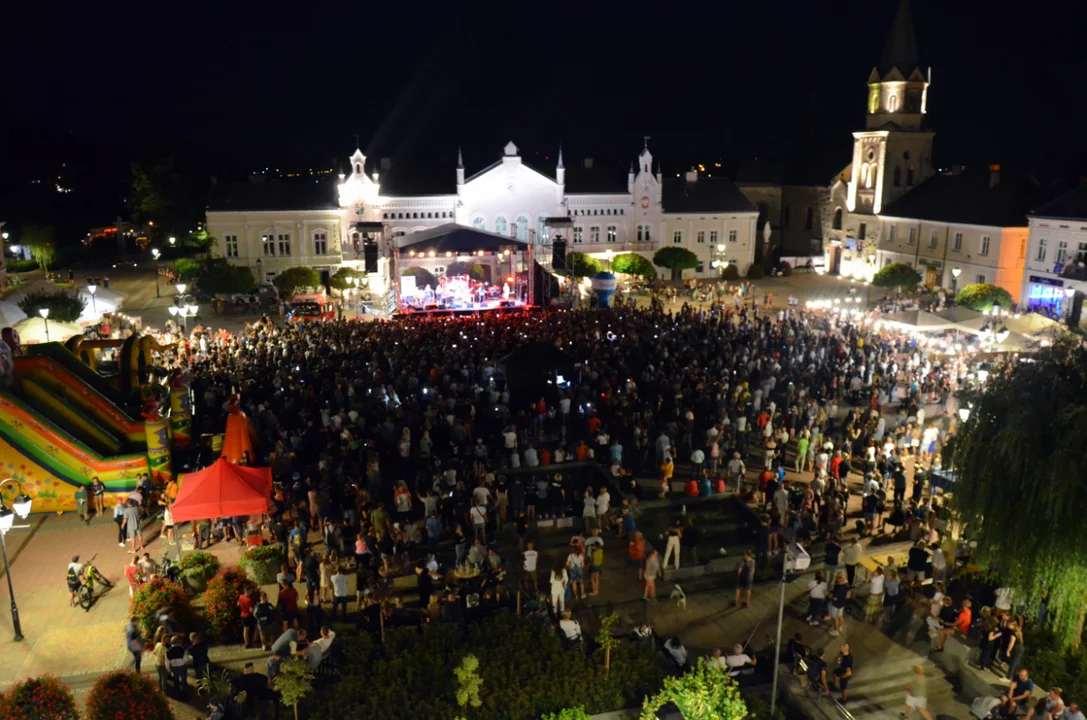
[274, 195]
[458, 239]
[1071, 205]
[704, 195]
[967, 198]
[601, 179]
[901, 49]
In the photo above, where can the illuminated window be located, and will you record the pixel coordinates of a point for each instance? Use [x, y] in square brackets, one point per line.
[892, 103]
[231, 245]
[956, 245]
[613, 233]
[733, 236]
[1040, 257]
[269, 245]
[479, 223]
[594, 233]
[578, 234]
[984, 245]
[866, 175]
[542, 231]
[1062, 251]
[320, 243]
[713, 237]
[285, 244]
[700, 237]
[501, 225]
[522, 228]
[677, 237]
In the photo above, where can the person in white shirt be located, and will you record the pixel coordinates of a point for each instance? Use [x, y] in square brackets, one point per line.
[559, 580]
[325, 641]
[939, 564]
[603, 504]
[478, 514]
[570, 628]
[738, 660]
[676, 650]
[817, 599]
[530, 559]
[340, 595]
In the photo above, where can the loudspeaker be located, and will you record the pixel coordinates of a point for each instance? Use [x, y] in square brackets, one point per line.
[370, 255]
[558, 254]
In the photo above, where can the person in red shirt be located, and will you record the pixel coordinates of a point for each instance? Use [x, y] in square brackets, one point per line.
[594, 424]
[132, 574]
[834, 463]
[249, 623]
[288, 605]
[966, 618]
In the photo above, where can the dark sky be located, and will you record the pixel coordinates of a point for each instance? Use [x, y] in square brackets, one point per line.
[229, 86]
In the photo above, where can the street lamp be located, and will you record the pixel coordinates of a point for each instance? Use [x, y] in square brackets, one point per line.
[964, 413]
[92, 289]
[155, 252]
[44, 312]
[181, 288]
[173, 240]
[718, 261]
[608, 255]
[20, 507]
[955, 272]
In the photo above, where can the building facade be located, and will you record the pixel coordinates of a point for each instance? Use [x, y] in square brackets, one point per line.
[272, 226]
[1055, 275]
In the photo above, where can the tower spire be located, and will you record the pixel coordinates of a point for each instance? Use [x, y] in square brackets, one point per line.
[460, 158]
[560, 156]
[901, 49]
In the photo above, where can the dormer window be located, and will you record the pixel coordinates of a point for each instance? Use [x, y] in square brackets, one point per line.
[358, 168]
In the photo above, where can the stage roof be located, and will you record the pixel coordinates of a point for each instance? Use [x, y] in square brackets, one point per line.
[458, 239]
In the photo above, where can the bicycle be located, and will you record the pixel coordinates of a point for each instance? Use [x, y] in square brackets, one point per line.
[86, 590]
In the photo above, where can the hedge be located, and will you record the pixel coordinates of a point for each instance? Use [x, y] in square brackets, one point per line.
[18, 266]
[755, 272]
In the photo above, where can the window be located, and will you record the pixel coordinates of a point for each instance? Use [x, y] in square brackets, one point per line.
[837, 225]
[980, 279]
[320, 243]
[594, 233]
[984, 245]
[1062, 251]
[956, 246]
[285, 244]
[866, 175]
[677, 237]
[862, 232]
[542, 231]
[714, 235]
[700, 237]
[1041, 250]
[522, 228]
[892, 103]
[733, 236]
[913, 236]
[613, 233]
[701, 268]
[231, 245]
[579, 234]
[898, 176]
[647, 238]
[501, 225]
[479, 223]
[890, 233]
[269, 245]
[809, 219]
[639, 233]
[933, 240]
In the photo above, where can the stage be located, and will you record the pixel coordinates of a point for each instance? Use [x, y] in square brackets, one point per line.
[437, 310]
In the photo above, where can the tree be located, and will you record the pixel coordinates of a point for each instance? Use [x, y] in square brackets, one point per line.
[676, 259]
[896, 275]
[294, 279]
[705, 692]
[633, 264]
[1020, 457]
[423, 277]
[39, 241]
[218, 277]
[606, 639]
[577, 713]
[469, 683]
[292, 683]
[198, 242]
[582, 265]
[983, 296]
[187, 268]
[339, 280]
[475, 271]
[149, 198]
[63, 306]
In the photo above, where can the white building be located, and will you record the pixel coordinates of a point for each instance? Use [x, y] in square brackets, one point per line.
[272, 226]
[1055, 276]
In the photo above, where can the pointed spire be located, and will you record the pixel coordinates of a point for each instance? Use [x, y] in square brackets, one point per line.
[460, 158]
[560, 156]
[631, 167]
[901, 48]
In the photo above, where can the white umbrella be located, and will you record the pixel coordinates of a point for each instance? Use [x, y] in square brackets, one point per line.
[33, 330]
[10, 313]
[918, 320]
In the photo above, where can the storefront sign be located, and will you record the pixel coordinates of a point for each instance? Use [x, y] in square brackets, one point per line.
[1038, 280]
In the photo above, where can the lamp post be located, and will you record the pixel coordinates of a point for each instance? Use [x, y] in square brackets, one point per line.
[20, 507]
[608, 256]
[92, 289]
[955, 272]
[44, 312]
[717, 260]
[173, 240]
[155, 252]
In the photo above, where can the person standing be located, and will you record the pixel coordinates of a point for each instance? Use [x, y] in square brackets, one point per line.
[841, 592]
[81, 495]
[852, 556]
[265, 613]
[873, 607]
[340, 595]
[198, 654]
[98, 497]
[531, 558]
[131, 525]
[917, 694]
[134, 643]
[132, 575]
[652, 571]
[249, 622]
[745, 578]
[119, 518]
[559, 580]
[843, 671]
[673, 533]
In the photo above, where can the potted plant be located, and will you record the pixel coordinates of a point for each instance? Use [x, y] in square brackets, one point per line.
[155, 596]
[221, 604]
[195, 569]
[129, 695]
[38, 697]
[262, 563]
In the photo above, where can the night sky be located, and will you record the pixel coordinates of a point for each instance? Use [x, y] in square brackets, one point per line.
[227, 87]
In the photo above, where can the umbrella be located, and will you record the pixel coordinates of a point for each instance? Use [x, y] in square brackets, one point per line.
[958, 314]
[10, 313]
[920, 320]
[34, 330]
[1033, 324]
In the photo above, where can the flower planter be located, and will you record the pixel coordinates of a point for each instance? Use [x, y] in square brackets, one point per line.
[263, 572]
[194, 585]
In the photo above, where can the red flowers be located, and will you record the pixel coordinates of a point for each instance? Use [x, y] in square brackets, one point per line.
[126, 696]
[42, 697]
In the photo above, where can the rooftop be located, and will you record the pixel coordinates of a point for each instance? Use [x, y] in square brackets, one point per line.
[1071, 205]
[970, 198]
[706, 194]
[272, 195]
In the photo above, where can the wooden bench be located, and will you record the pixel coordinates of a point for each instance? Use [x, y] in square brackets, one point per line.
[870, 562]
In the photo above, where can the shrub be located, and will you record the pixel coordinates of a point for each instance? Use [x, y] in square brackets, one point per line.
[755, 272]
[295, 279]
[22, 265]
[218, 277]
[896, 275]
[705, 692]
[785, 269]
[38, 698]
[293, 683]
[155, 595]
[262, 562]
[128, 695]
[983, 296]
[581, 265]
[63, 306]
[731, 273]
[633, 264]
[221, 617]
[577, 713]
[198, 566]
[676, 259]
[187, 268]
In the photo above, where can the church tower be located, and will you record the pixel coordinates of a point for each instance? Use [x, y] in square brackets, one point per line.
[894, 151]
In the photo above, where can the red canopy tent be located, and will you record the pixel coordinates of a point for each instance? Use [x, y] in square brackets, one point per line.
[223, 490]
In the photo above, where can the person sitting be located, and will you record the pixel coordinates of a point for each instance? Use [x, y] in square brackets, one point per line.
[738, 660]
[676, 650]
[571, 629]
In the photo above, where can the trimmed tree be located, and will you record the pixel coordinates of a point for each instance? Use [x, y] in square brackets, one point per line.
[63, 306]
[633, 264]
[606, 637]
[293, 683]
[1017, 455]
[339, 281]
[129, 695]
[896, 275]
[676, 259]
[44, 698]
[705, 692]
[218, 277]
[294, 279]
[582, 265]
[983, 296]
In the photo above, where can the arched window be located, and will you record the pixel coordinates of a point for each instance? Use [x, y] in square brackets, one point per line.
[892, 103]
[837, 219]
[522, 228]
[542, 231]
[868, 174]
[479, 223]
[809, 219]
[501, 225]
[873, 102]
[898, 176]
[358, 168]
